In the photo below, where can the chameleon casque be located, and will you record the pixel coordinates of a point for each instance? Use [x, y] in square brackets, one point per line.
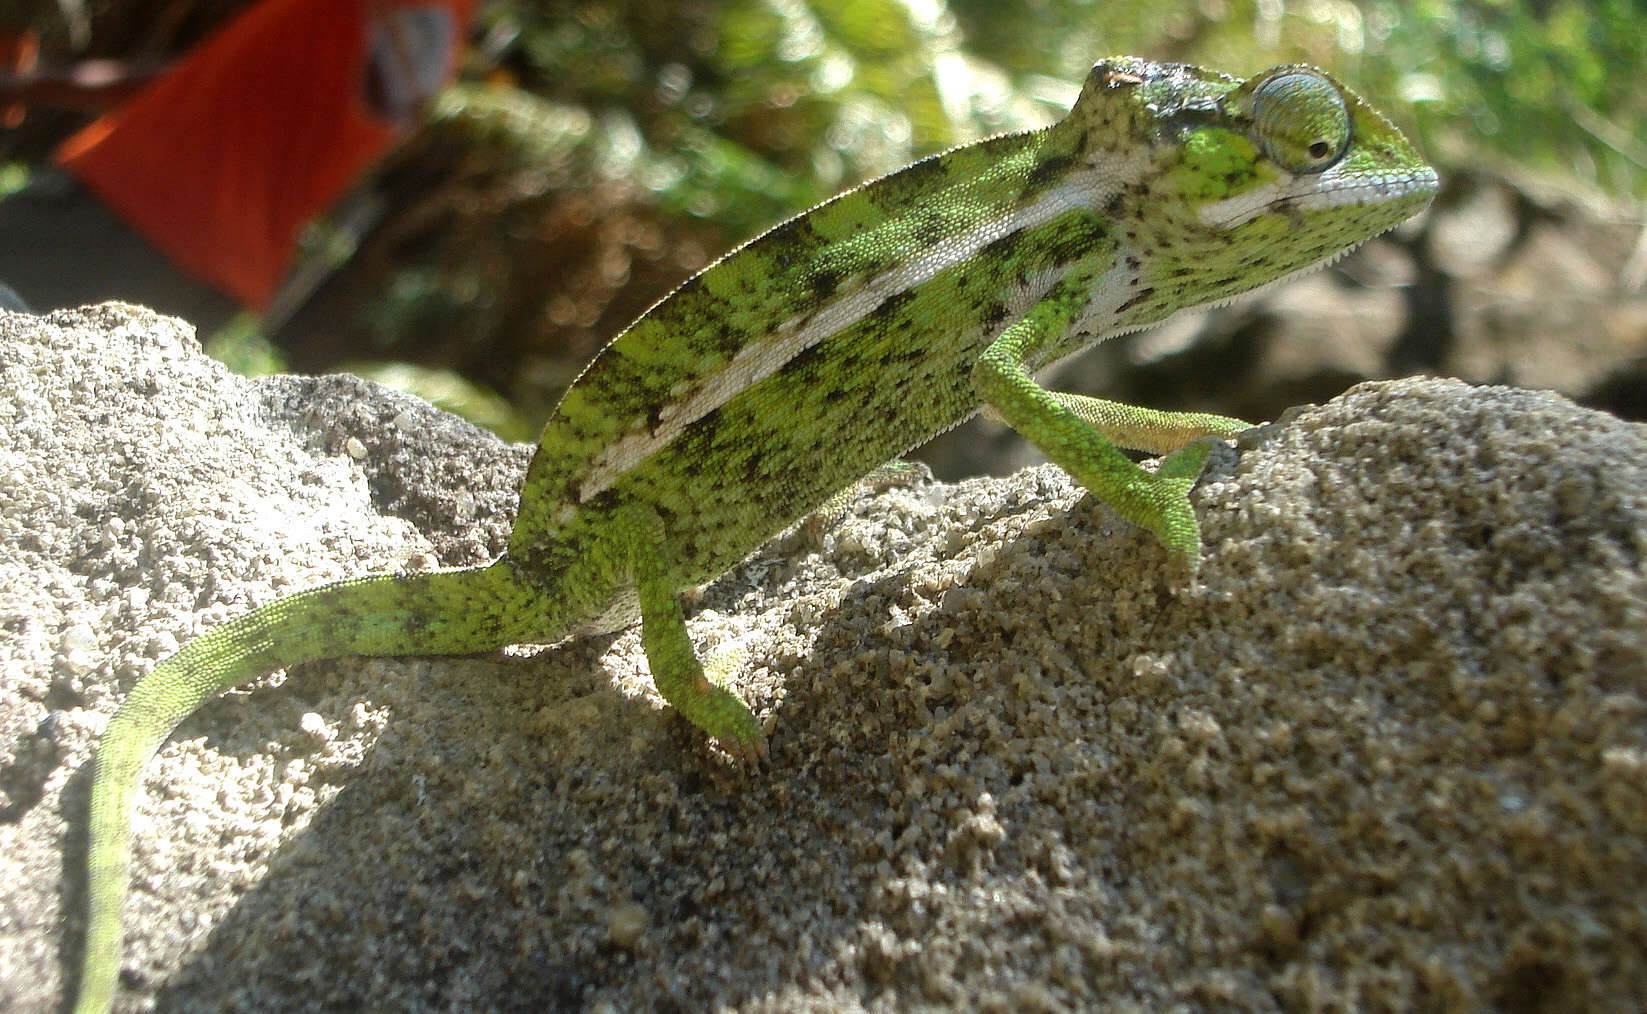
[827, 346]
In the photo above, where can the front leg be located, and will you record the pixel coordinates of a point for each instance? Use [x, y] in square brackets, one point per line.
[1076, 432]
[676, 671]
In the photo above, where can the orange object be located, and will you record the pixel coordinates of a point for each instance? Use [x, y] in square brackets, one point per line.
[258, 130]
[19, 52]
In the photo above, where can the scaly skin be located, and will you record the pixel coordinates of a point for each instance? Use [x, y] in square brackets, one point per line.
[834, 342]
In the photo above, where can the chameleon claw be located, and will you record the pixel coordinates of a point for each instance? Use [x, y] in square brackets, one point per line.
[746, 753]
[721, 713]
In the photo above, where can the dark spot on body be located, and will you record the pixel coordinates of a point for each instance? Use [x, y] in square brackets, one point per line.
[910, 354]
[788, 243]
[1048, 173]
[807, 361]
[1072, 243]
[904, 323]
[824, 283]
[1002, 249]
[1141, 296]
[927, 170]
[892, 304]
[931, 229]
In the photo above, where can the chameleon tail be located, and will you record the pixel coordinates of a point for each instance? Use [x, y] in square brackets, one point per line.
[439, 613]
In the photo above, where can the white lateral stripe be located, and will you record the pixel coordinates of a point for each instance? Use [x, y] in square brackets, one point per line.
[1243, 208]
[761, 359]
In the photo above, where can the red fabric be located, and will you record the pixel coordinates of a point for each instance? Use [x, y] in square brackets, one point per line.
[258, 130]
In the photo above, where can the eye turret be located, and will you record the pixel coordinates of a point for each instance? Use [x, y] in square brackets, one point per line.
[1300, 120]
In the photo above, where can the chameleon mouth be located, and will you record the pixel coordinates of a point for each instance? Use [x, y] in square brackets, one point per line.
[1399, 190]
[1401, 194]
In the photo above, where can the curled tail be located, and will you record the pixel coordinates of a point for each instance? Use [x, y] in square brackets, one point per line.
[448, 612]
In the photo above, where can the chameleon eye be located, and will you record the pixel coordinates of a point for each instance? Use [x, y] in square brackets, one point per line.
[1300, 120]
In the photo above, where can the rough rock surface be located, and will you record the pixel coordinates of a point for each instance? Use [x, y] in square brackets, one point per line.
[1389, 752]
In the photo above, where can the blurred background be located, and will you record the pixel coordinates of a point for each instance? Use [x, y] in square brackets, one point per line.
[590, 156]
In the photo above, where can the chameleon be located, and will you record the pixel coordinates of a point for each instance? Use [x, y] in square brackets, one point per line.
[825, 347]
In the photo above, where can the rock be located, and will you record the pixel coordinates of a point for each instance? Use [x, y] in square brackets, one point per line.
[1389, 750]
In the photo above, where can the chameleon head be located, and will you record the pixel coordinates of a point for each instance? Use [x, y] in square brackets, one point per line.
[1248, 182]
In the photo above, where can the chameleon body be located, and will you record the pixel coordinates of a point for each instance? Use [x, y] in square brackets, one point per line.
[834, 342]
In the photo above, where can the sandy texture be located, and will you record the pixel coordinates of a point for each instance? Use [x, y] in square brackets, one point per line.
[1389, 753]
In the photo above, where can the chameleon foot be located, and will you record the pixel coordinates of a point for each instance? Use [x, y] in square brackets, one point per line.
[1172, 517]
[722, 714]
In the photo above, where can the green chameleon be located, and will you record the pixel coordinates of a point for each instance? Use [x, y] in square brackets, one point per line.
[801, 361]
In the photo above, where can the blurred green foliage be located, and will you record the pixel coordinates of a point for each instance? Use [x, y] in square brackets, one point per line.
[782, 100]
[597, 153]
[13, 176]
